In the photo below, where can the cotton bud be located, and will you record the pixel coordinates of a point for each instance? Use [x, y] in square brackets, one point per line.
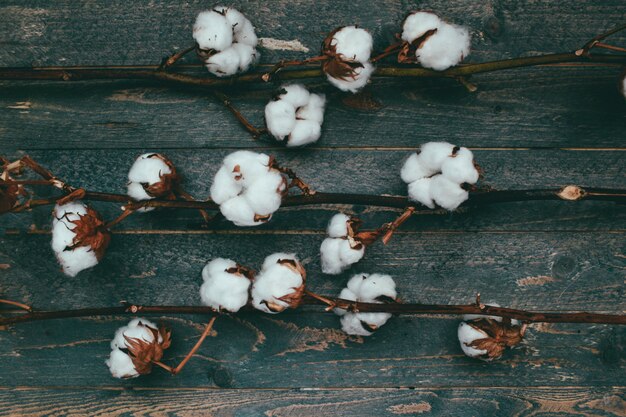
[135, 347]
[366, 288]
[152, 176]
[248, 188]
[295, 115]
[226, 285]
[487, 338]
[280, 284]
[344, 245]
[437, 173]
[433, 42]
[226, 41]
[348, 50]
[79, 237]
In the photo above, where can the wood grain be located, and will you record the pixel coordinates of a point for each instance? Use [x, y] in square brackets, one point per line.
[514, 402]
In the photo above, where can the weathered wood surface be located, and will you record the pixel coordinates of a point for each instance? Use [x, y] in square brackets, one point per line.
[530, 128]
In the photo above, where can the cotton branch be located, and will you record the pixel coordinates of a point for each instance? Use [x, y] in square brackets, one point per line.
[334, 302]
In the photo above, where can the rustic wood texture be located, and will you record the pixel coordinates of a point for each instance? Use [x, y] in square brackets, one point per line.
[529, 128]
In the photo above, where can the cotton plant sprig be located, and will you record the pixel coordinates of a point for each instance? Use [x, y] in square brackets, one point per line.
[139, 346]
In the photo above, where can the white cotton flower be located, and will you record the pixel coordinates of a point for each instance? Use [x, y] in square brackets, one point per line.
[348, 50]
[338, 225]
[227, 40]
[79, 238]
[446, 47]
[436, 173]
[225, 285]
[342, 248]
[353, 44]
[353, 83]
[366, 288]
[120, 363]
[247, 188]
[296, 115]
[468, 334]
[279, 284]
[151, 175]
[622, 85]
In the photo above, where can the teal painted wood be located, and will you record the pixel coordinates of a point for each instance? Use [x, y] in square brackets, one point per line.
[319, 403]
[540, 255]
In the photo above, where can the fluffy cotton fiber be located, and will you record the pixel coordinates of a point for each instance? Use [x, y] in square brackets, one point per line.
[295, 115]
[73, 255]
[151, 176]
[350, 48]
[225, 285]
[280, 284]
[446, 47]
[227, 39]
[247, 188]
[120, 363]
[366, 288]
[436, 173]
[340, 250]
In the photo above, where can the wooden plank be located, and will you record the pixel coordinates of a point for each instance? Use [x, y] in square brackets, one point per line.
[536, 270]
[549, 107]
[296, 350]
[318, 403]
[345, 171]
[110, 32]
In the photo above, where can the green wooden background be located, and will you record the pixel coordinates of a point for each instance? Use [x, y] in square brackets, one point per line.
[538, 127]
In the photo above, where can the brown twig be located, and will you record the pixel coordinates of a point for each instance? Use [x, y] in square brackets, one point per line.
[390, 50]
[172, 59]
[255, 132]
[390, 228]
[584, 51]
[282, 64]
[394, 308]
[195, 348]
[17, 304]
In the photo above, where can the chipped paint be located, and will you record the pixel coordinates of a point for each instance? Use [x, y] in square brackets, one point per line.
[282, 45]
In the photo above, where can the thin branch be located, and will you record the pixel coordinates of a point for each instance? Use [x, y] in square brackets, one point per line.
[17, 304]
[477, 198]
[152, 72]
[195, 348]
[255, 132]
[394, 308]
[172, 59]
[594, 41]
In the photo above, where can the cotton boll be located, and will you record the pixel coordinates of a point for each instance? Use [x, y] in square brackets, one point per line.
[246, 34]
[353, 44]
[414, 169]
[238, 211]
[224, 63]
[460, 167]
[420, 191]
[121, 365]
[152, 175]
[338, 225]
[329, 255]
[247, 55]
[445, 48]
[224, 186]
[349, 253]
[467, 334]
[137, 192]
[77, 260]
[304, 132]
[314, 109]
[148, 168]
[417, 24]
[212, 30]
[135, 329]
[79, 238]
[367, 289]
[265, 194]
[247, 166]
[446, 193]
[224, 287]
[433, 154]
[296, 94]
[279, 285]
[353, 84]
[280, 118]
